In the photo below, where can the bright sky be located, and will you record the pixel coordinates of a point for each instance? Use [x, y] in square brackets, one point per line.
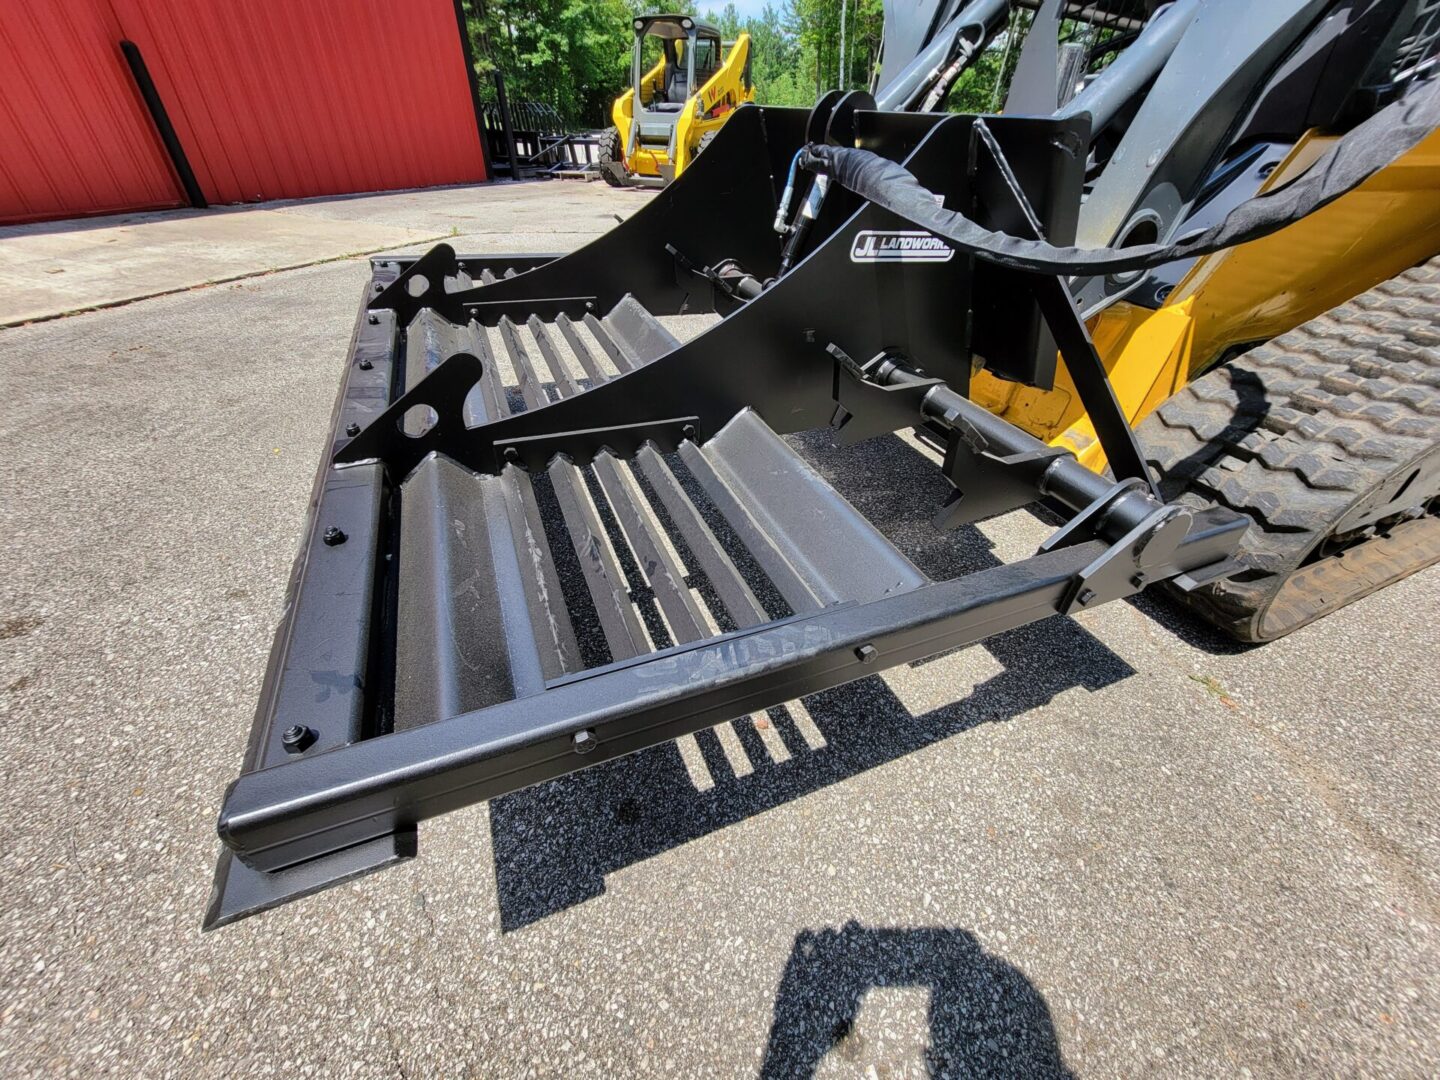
[747, 8]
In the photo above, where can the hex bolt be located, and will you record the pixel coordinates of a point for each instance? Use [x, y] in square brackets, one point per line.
[585, 741]
[866, 654]
[374, 319]
[334, 536]
[364, 364]
[297, 738]
[352, 429]
[1086, 597]
[688, 431]
[512, 455]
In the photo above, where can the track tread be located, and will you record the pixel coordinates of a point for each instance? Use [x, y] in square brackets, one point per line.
[1296, 431]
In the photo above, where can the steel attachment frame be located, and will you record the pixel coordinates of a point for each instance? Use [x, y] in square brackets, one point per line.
[368, 723]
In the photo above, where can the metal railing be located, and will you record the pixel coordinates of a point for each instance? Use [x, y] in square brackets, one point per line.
[543, 145]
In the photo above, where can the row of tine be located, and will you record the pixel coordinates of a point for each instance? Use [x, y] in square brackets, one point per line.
[639, 496]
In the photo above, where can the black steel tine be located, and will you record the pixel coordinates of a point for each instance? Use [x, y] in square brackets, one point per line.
[618, 621]
[739, 600]
[730, 587]
[618, 356]
[559, 652]
[661, 570]
[777, 567]
[579, 348]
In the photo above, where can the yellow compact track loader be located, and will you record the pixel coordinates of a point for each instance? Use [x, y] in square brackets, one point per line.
[1181, 298]
[675, 106]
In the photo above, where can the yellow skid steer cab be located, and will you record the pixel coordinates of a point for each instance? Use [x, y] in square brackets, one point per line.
[685, 83]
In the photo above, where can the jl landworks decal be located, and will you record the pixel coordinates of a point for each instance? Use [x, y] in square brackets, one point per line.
[899, 245]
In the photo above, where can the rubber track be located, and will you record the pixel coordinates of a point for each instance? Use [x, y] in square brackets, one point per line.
[1294, 433]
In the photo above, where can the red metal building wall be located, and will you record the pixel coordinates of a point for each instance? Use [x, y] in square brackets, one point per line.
[74, 134]
[269, 100]
[311, 97]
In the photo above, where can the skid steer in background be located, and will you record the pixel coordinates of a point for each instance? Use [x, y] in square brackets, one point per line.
[1191, 308]
[674, 108]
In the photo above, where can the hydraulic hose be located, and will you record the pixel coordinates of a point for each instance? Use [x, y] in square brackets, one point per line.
[1371, 146]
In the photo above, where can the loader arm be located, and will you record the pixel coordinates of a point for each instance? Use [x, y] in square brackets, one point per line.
[725, 90]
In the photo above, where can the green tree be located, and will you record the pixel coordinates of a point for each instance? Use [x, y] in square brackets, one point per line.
[573, 55]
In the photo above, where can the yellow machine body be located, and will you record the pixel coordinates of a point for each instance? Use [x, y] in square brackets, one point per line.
[1242, 296]
[704, 111]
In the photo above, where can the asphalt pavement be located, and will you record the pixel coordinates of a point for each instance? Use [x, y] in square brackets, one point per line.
[1107, 846]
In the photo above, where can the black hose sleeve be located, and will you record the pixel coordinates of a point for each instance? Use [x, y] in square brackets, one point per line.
[1372, 145]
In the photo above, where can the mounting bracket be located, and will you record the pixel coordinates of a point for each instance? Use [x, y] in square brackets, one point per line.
[865, 407]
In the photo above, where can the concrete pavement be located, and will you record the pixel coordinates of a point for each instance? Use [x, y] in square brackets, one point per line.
[1114, 845]
[59, 268]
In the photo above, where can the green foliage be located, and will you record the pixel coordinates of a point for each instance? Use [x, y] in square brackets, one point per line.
[571, 54]
[982, 86]
[774, 54]
[816, 27]
[575, 54]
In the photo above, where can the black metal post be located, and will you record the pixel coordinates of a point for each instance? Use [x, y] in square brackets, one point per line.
[468, 53]
[161, 118]
[507, 125]
[1072, 337]
[1091, 380]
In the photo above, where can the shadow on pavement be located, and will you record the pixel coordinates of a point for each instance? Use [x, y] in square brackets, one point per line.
[985, 1017]
[1171, 614]
[553, 844]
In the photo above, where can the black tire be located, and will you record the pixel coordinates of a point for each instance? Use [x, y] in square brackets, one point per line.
[612, 157]
[705, 140]
[1328, 439]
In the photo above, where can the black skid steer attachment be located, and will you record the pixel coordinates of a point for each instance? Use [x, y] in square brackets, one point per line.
[549, 533]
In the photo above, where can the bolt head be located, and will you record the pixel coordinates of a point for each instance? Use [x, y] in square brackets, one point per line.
[352, 429]
[365, 365]
[374, 319]
[585, 741]
[333, 536]
[867, 654]
[1086, 597]
[297, 738]
[512, 455]
[688, 431]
